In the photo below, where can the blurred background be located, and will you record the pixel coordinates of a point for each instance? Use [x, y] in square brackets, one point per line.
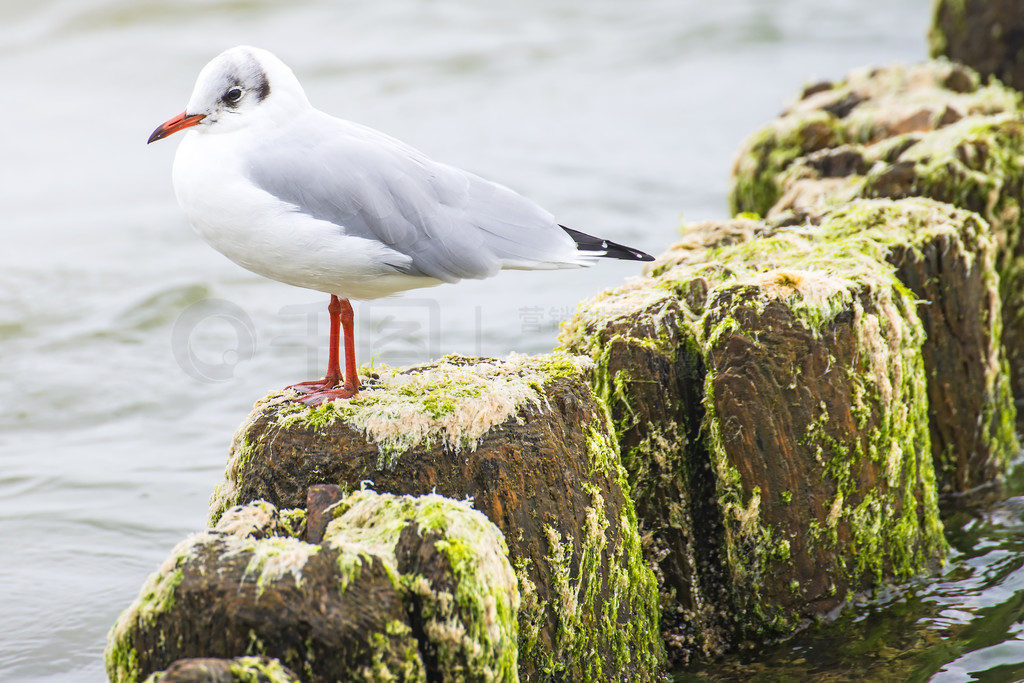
[130, 351]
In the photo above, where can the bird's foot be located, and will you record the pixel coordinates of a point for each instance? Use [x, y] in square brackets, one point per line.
[322, 396]
[314, 386]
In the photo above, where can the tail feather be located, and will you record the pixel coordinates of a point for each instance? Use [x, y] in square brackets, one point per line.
[595, 246]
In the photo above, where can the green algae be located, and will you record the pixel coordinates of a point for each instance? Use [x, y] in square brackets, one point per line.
[888, 384]
[292, 522]
[249, 670]
[270, 559]
[878, 227]
[258, 670]
[971, 159]
[662, 459]
[976, 165]
[880, 108]
[243, 449]
[630, 587]
[473, 630]
[621, 577]
[938, 41]
[773, 148]
[396, 656]
[588, 611]
[241, 531]
[885, 230]
[455, 401]
[816, 280]
[155, 599]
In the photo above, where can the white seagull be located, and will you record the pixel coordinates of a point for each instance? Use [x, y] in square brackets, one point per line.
[299, 196]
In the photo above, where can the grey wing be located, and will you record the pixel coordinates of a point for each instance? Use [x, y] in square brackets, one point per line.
[450, 223]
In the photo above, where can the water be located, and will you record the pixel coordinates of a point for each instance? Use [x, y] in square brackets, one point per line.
[965, 625]
[129, 351]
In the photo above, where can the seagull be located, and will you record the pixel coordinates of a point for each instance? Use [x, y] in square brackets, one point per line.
[299, 196]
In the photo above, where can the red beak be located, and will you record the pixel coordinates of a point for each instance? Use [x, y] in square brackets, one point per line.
[179, 122]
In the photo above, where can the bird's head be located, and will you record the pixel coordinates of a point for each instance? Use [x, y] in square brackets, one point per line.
[238, 88]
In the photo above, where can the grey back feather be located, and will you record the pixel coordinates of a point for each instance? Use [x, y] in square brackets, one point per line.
[450, 223]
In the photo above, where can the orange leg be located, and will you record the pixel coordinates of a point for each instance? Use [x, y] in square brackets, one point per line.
[342, 316]
[333, 376]
[348, 318]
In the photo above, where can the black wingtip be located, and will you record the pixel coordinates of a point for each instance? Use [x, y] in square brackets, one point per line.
[608, 249]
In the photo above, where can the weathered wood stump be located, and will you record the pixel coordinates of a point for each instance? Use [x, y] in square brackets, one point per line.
[945, 256]
[972, 161]
[987, 35]
[869, 106]
[237, 670]
[400, 588]
[771, 404]
[527, 442]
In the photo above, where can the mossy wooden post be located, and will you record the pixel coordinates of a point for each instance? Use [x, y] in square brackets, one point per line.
[987, 35]
[212, 670]
[400, 588]
[526, 441]
[946, 257]
[972, 161]
[772, 411]
[974, 164]
[868, 106]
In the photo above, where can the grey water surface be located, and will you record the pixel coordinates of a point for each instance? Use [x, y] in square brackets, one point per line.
[130, 351]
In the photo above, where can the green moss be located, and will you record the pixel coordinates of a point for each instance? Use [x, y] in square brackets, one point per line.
[945, 13]
[876, 104]
[260, 670]
[156, 598]
[660, 459]
[455, 401]
[975, 164]
[808, 271]
[121, 659]
[292, 522]
[889, 383]
[875, 228]
[273, 557]
[816, 279]
[588, 608]
[248, 670]
[473, 630]
[242, 451]
[752, 549]
[972, 163]
[501, 388]
[396, 656]
[1001, 413]
[773, 148]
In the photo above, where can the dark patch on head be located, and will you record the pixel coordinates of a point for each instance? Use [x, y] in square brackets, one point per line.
[245, 77]
[263, 87]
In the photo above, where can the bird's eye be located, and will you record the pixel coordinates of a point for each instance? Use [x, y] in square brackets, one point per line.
[233, 95]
